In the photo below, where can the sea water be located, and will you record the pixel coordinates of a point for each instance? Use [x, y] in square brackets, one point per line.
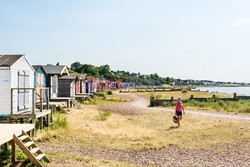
[229, 90]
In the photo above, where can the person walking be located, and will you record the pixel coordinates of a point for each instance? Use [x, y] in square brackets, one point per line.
[179, 110]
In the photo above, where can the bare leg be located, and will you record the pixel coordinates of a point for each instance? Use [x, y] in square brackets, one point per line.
[179, 120]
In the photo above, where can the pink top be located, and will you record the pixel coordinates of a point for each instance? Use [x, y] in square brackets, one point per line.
[179, 106]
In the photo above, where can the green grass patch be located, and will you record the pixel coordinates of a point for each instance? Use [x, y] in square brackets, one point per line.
[104, 115]
[241, 106]
[60, 121]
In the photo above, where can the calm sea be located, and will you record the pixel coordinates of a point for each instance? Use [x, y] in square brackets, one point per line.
[230, 90]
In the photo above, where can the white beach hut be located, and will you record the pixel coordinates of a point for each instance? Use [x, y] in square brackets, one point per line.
[16, 85]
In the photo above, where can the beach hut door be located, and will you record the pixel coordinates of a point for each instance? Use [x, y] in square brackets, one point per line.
[39, 85]
[54, 86]
[78, 87]
[23, 94]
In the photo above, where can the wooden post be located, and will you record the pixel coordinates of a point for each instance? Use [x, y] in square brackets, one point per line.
[13, 157]
[41, 100]
[48, 120]
[192, 97]
[235, 96]
[21, 120]
[51, 115]
[67, 103]
[172, 99]
[34, 123]
[47, 99]
[41, 122]
[152, 101]
[11, 97]
[33, 101]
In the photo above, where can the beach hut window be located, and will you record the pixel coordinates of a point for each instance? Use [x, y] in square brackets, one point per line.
[23, 94]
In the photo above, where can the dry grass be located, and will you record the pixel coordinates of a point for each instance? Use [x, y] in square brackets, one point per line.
[152, 129]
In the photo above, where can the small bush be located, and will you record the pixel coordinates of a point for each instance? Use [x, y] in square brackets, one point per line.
[60, 121]
[103, 116]
[21, 156]
[167, 104]
[184, 91]
[109, 92]
[100, 94]
[103, 95]
[4, 154]
[158, 96]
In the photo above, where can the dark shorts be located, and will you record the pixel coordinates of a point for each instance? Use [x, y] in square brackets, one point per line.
[178, 113]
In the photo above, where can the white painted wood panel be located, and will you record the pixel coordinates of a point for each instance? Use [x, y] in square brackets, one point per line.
[21, 65]
[5, 97]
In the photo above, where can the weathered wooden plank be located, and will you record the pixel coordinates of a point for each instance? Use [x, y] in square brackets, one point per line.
[7, 131]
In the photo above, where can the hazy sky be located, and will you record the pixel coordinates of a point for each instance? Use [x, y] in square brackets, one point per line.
[188, 39]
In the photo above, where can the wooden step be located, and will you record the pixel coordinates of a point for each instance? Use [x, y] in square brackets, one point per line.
[34, 150]
[28, 144]
[40, 156]
[23, 137]
[30, 152]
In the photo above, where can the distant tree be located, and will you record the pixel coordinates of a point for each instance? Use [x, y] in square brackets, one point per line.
[76, 66]
[90, 70]
[104, 70]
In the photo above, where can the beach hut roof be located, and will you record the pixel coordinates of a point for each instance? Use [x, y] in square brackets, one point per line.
[71, 77]
[9, 60]
[56, 70]
[36, 67]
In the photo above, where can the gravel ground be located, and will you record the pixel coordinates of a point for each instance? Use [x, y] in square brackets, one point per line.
[231, 155]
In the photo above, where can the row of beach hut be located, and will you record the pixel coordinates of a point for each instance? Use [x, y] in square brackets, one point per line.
[23, 86]
[30, 93]
[26, 88]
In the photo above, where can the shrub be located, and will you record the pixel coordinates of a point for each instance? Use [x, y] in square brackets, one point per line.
[102, 94]
[158, 96]
[4, 154]
[21, 156]
[103, 116]
[167, 104]
[184, 91]
[60, 121]
[109, 92]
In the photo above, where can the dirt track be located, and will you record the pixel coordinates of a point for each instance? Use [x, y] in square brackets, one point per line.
[141, 103]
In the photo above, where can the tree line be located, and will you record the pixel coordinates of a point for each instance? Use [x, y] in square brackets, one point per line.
[105, 72]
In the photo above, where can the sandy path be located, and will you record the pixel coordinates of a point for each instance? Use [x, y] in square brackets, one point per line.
[142, 103]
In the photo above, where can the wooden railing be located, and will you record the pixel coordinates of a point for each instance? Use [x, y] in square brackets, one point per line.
[43, 98]
[33, 98]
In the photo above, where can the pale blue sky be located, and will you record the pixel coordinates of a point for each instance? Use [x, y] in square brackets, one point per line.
[188, 39]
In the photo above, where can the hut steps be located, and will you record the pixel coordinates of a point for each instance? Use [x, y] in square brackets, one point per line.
[30, 149]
